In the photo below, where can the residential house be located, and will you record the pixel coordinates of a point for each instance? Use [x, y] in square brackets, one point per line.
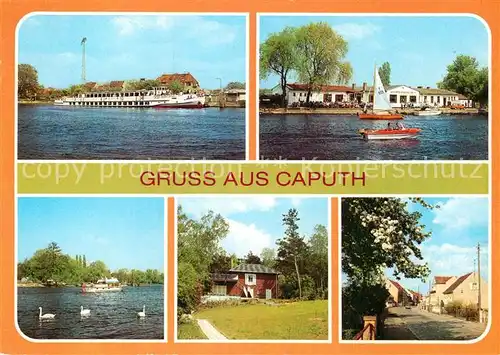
[440, 284]
[297, 93]
[465, 289]
[398, 293]
[436, 97]
[89, 86]
[186, 79]
[416, 297]
[247, 280]
[462, 100]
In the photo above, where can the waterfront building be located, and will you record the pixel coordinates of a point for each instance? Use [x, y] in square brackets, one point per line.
[297, 93]
[187, 79]
[436, 97]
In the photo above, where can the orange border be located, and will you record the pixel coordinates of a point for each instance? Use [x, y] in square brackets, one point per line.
[12, 343]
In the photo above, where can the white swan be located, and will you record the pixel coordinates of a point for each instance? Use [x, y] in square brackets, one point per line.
[143, 313]
[45, 316]
[84, 312]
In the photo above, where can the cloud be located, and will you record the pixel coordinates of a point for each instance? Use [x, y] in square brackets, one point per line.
[243, 238]
[453, 260]
[227, 206]
[460, 213]
[128, 25]
[296, 201]
[356, 31]
[203, 30]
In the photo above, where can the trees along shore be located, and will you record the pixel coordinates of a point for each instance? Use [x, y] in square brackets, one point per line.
[50, 266]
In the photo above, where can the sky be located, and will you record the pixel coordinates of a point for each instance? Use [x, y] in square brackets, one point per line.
[256, 222]
[124, 47]
[418, 48]
[457, 227]
[122, 232]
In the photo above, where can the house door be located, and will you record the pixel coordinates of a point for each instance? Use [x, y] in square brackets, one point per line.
[269, 294]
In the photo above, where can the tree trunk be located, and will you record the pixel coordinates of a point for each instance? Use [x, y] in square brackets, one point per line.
[308, 95]
[298, 275]
[283, 90]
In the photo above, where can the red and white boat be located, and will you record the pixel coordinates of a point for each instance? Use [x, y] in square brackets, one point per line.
[389, 133]
[156, 97]
[382, 109]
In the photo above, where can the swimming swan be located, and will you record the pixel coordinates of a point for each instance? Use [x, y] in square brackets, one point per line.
[84, 312]
[45, 316]
[143, 313]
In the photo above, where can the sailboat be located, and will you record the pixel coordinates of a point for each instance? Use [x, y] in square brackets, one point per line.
[381, 105]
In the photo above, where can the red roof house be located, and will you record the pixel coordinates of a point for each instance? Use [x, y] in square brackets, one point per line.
[187, 79]
[247, 280]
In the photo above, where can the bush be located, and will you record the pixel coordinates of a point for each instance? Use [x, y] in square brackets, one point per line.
[362, 300]
[189, 291]
[453, 308]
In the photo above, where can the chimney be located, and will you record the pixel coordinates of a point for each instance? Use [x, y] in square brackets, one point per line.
[428, 87]
[419, 87]
[364, 86]
[353, 86]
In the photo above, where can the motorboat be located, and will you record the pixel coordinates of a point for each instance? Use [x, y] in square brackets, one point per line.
[400, 132]
[428, 111]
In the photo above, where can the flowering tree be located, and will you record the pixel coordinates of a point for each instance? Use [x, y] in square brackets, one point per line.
[379, 233]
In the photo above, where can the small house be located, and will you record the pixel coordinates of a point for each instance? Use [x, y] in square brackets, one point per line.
[248, 281]
[465, 289]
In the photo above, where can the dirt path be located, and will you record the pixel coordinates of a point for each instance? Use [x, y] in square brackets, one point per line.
[210, 331]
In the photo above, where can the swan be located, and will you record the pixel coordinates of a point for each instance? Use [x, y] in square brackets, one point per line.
[45, 316]
[84, 312]
[143, 313]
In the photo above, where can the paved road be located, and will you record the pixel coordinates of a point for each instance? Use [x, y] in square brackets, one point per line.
[210, 331]
[416, 324]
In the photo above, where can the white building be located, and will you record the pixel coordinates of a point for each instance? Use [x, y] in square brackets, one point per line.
[297, 93]
[437, 97]
[403, 95]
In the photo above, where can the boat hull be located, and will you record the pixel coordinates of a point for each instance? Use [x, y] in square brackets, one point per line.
[374, 116]
[386, 134]
[102, 290]
[427, 113]
[181, 105]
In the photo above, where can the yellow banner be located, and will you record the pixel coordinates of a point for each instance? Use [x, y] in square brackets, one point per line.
[252, 178]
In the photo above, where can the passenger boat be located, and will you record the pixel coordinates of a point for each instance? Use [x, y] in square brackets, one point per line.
[382, 109]
[428, 112]
[156, 97]
[388, 133]
[103, 285]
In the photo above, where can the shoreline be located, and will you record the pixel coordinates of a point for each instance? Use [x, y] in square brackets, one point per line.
[355, 112]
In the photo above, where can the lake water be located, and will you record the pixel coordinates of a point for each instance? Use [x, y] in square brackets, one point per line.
[112, 315]
[55, 132]
[323, 137]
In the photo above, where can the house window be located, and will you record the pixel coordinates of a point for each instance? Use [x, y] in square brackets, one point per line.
[438, 99]
[370, 98]
[327, 98]
[402, 99]
[413, 98]
[473, 286]
[393, 99]
[220, 290]
[250, 279]
[294, 94]
[339, 98]
[432, 99]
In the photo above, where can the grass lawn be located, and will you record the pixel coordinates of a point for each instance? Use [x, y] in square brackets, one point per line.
[299, 320]
[189, 331]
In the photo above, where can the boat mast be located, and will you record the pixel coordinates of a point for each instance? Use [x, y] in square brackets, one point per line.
[374, 86]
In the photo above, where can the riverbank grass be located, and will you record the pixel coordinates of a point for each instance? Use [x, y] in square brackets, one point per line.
[304, 320]
[189, 331]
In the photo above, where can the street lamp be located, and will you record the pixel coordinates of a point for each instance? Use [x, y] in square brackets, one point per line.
[220, 92]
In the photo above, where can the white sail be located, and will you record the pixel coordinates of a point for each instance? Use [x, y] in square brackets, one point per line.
[381, 102]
